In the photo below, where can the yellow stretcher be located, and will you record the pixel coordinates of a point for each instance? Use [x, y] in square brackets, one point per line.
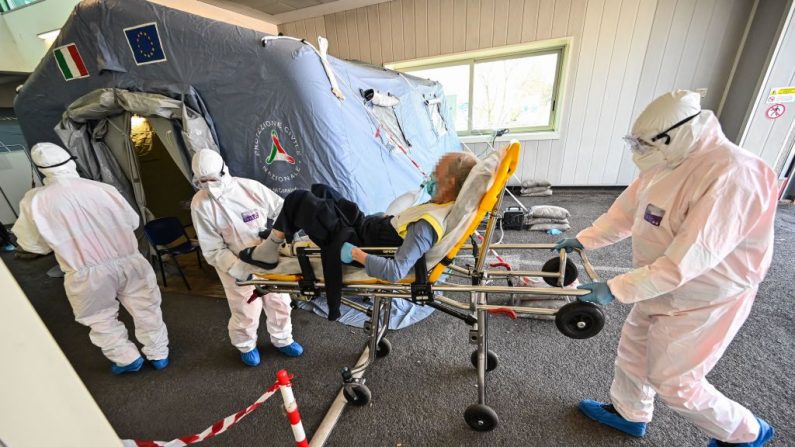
[576, 319]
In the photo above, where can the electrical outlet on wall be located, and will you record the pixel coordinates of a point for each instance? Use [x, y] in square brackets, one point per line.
[702, 91]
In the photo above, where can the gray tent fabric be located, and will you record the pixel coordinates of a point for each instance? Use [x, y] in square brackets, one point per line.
[268, 106]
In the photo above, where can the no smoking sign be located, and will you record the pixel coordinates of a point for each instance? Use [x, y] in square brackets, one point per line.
[775, 111]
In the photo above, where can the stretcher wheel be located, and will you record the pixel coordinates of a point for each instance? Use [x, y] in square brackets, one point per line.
[492, 360]
[553, 266]
[357, 394]
[580, 320]
[383, 349]
[481, 417]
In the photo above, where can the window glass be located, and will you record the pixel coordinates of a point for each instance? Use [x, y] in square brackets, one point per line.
[455, 80]
[485, 92]
[8, 5]
[514, 93]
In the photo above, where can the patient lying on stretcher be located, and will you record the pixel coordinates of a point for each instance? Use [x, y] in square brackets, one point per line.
[337, 226]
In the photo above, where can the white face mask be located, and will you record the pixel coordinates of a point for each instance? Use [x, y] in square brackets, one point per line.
[648, 160]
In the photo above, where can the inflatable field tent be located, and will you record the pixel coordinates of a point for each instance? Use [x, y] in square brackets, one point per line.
[133, 89]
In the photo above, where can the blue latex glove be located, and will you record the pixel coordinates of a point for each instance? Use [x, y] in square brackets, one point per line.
[600, 293]
[346, 253]
[569, 244]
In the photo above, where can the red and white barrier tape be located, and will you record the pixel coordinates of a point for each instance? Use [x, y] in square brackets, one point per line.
[282, 383]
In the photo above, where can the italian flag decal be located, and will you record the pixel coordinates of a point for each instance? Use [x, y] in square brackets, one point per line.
[70, 63]
[277, 151]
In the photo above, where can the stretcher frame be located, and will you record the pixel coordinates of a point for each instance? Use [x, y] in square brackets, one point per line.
[575, 320]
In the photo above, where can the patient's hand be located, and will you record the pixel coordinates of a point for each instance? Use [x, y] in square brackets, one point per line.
[359, 255]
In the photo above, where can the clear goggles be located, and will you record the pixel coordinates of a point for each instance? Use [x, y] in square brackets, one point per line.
[638, 145]
[641, 146]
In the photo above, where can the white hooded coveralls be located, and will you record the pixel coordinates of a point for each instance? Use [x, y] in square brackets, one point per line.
[89, 226]
[228, 214]
[702, 241]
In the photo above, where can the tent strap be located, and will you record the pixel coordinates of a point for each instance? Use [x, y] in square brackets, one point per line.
[322, 53]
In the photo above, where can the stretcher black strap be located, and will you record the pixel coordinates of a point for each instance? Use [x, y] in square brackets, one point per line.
[421, 290]
[446, 261]
[308, 281]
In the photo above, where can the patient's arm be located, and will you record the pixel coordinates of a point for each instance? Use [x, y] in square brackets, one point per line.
[420, 237]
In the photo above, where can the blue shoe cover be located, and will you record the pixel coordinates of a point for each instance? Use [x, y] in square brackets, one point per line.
[9, 248]
[766, 433]
[135, 366]
[294, 349]
[595, 411]
[159, 364]
[250, 358]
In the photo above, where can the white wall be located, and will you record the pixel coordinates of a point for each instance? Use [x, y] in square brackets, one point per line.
[770, 138]
[23, 26]
[625, 52]
[42, 400]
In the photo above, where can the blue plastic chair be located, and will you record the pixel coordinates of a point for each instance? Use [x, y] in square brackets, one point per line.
[165, 231]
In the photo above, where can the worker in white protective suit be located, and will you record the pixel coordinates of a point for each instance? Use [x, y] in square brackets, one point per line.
[228, 215]
[701, 218]
[89, 226]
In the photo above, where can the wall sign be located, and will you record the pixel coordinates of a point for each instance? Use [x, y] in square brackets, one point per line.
[775, 111]
[781, 94]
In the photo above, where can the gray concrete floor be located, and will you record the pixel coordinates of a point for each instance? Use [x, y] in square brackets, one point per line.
[421, 390]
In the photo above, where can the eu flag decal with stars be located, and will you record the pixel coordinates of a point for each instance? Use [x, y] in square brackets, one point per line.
[145, 44]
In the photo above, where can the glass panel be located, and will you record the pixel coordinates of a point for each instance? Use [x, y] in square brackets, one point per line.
[514, 93]
[8, 5]
[455, 80]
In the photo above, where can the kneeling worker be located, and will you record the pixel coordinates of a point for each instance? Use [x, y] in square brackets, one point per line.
[701, 217]
[89, 226]
[337, 225]
[228, 214]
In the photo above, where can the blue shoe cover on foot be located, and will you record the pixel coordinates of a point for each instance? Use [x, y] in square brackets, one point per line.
[250, 358]
[294, 349]
[135, 366]
[595, 411]
[9, 248]
[766, 433]
[159, 364]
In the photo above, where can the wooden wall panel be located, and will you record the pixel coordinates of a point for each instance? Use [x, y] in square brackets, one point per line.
[421, 27]
[409, 32]
[529, 20]
[500, 32]
[486, 24]
[446, 19]
[459, 25]
[385, 28]
[434, 28]
[472, 26]
[363, 35]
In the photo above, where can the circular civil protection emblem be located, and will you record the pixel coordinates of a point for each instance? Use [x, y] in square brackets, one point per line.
[277, 150]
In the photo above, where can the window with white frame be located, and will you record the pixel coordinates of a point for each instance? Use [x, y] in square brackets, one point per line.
[517, 89]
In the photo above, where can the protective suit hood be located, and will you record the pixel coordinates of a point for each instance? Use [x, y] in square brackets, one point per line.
[670, 126]
[210, 173]
[53, 161]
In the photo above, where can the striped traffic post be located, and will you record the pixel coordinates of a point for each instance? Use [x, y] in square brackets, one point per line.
[291, 407]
